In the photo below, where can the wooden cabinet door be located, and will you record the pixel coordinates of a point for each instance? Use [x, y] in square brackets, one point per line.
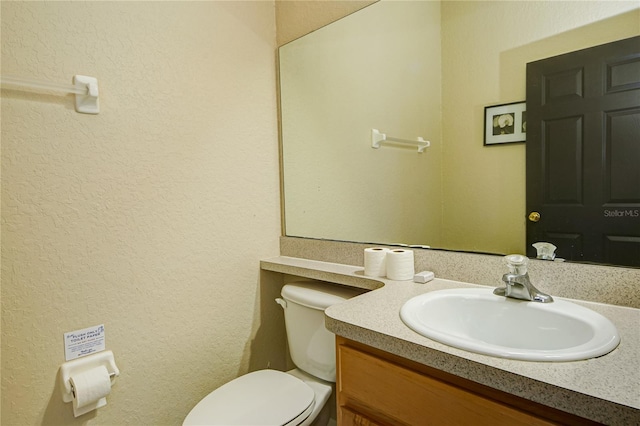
[383, 390]
[349, 417]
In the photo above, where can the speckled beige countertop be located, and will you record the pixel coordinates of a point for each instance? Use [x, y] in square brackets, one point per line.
[604, 389]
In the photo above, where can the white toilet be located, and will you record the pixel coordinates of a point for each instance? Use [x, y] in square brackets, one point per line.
[276, 398]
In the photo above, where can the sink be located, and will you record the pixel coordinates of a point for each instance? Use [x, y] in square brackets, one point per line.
[478, 321]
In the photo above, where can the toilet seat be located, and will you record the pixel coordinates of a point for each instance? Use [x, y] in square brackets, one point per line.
[264, 397]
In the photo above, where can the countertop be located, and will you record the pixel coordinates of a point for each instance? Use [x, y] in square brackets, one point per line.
[604, 389]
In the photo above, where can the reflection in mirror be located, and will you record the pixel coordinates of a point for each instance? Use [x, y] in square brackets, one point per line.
[341, 188]
[425, 69]
[583, 149]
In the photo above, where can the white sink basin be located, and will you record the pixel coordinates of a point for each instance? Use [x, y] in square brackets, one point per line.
[479, 321]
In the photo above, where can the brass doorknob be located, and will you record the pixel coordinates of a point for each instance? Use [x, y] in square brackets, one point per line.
[534, 216]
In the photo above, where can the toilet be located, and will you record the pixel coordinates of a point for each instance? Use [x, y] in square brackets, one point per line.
[295, 397]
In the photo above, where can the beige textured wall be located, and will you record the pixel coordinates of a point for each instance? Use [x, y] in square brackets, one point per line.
[149, 218]
[486, 45]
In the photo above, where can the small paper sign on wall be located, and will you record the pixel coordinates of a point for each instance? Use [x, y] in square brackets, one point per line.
[84, 342]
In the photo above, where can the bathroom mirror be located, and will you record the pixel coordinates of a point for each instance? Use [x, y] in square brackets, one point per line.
[420, 69]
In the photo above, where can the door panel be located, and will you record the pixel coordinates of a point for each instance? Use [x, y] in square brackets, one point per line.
[583, 153]
[622, 152]
[562, 145]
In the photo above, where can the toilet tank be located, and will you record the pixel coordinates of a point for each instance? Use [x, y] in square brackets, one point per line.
[311, 345]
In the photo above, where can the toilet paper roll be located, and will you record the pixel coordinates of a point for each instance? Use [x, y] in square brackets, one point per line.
[91, 388]
[400, 265]
[375, 261]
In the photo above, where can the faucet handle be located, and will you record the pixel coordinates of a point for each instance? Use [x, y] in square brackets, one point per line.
[517, 263]
[545, 250]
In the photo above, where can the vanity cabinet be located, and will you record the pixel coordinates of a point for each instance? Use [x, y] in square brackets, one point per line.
[378, 388]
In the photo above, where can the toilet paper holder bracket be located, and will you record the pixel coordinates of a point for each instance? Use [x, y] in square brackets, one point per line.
[70, 368]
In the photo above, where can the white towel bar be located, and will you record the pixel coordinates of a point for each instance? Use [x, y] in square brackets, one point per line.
[377, 138]
[85, 88]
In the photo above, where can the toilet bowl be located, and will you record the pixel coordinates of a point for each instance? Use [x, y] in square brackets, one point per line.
[295, 397]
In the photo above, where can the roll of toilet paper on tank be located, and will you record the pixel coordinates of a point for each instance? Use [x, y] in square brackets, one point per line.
[91, 388]
[375, 261]
[400, 265]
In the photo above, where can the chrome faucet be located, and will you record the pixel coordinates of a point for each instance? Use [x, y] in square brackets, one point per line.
[517, 283]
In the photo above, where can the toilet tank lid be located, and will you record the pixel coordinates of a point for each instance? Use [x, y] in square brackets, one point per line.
[318, 295]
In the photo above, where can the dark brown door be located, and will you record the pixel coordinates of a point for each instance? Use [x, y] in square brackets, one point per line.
[583, 153]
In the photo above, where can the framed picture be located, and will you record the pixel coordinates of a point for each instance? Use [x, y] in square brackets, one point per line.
[505, 123]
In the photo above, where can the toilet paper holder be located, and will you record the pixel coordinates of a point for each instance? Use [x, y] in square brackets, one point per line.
[80, 365]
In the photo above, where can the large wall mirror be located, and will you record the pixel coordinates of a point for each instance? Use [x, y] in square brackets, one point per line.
[421, 69]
